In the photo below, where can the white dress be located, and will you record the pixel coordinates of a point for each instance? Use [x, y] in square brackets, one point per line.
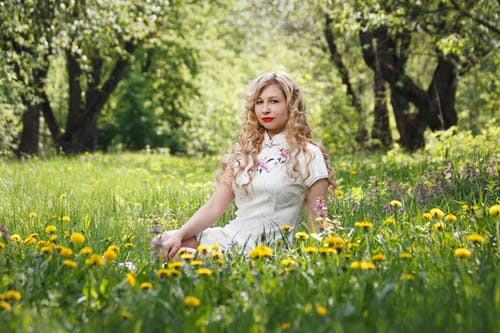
[274, 199]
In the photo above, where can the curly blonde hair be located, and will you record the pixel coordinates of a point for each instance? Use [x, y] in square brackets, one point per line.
[298, 133]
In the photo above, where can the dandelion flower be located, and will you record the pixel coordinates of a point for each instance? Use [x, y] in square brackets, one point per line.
[70, 263]
[476, 238]
[187, 256]
[13, 295]
[364, 225]
[164, 272]
[215, 247]
[216, 255]
[66, 219]
[5, 306]
[175, 264]
[364, 265]
[66, 252]
[407, 277]
[125, 315]
[310, 249]
[204, 271]
[339, 192]
[379, 257]
[261, 251]
[327, 250]
[427, 216]
[146, 285]
[46, 249]
[203, 249]
[30, 240]
[495, 210]
[286, 228]
[114, 248]
[192, 301]
[50, 229]
[287, 262]
[94, 260]
[321, 311]
[77, 238]
[438, 226]
[62, 196]
[196, 263]
[405, 255]
[301, 235]
[436, 212]
[16, 238]
[110, 255]
[86, 250]
[462, 252]
[450, 218]
[32, 215]
[285, 326]
[130, 279]
[335, 242]
[396, 203]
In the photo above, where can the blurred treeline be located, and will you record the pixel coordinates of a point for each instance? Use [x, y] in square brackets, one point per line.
[118, 75]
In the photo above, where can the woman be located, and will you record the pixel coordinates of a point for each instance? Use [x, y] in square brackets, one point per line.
[274, 170]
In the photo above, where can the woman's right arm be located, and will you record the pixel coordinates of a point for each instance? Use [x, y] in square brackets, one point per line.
[204, 217]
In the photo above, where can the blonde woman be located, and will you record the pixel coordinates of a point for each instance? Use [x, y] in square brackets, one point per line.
[275, 170]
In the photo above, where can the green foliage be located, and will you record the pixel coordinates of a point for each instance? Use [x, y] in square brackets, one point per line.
[409, 270]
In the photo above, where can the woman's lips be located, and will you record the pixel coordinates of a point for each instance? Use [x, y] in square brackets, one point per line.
[267, 119]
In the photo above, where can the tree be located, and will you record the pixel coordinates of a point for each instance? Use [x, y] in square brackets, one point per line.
[386, 30]
[97, 39]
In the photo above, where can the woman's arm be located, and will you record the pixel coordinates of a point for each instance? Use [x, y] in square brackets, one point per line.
[205, 216]
[316, 191]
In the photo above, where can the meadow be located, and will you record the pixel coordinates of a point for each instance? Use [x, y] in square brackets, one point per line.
[413, 247]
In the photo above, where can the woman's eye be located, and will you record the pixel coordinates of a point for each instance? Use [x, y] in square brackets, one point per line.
[258, 102]
[275, 101]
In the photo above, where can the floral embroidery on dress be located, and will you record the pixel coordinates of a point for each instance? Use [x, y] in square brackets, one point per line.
[269, 163]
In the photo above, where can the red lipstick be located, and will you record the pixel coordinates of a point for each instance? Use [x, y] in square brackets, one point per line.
[267, 119]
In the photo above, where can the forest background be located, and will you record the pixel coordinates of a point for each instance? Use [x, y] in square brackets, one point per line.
[170, 75]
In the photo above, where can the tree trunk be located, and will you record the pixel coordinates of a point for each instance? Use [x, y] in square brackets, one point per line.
[411, 126]
[30, 136]
[380, 130]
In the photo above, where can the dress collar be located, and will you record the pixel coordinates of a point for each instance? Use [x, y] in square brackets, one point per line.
[277, 140]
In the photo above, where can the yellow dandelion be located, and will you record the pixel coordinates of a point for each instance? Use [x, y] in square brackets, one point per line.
[146, 285]
[347, 256]
[494, 210]
[130, 279]
[53, 238]
[321, 311]
[476, 238]
[286, 228]
[465, 207]
[438, 226]
[427, 216]
[30, 240]
[110, 255]
[335, 242]
[94, 260]
[407, 277]
[261, 251]
[66, 219]
[50, 229]
[66, 252]
[450, 218]
[62, 196]
[364, 225]
[216, 255]
[436, 212]
[310, 249]
[163, 272]
[175, 264]
[125, 315]
[5, 306]
[396, 203]
[379, 257]
[129, 245]
[46, 249]
[86, 250]
[192, 301]
[203, 249]
[327, 250]
[187, 256]
[405, 255]
[339, 192]
[77, 238]
[70, 263]
[16, 238]
[196, 263]
[287, 262]
[462, 252]
[474, 208]
[215, 247]
[13, 295]
[301, 236]
[114, 248]
[285, 326]
[32, 215]
[204, 271]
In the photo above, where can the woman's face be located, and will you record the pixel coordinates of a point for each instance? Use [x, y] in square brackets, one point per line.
[271, 109]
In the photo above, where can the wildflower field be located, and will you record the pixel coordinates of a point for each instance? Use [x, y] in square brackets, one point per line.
[412, 246]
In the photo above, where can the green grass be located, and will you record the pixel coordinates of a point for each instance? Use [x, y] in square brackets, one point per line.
[116, 199]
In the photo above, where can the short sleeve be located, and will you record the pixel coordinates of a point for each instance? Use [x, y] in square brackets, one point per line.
[317, 167]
